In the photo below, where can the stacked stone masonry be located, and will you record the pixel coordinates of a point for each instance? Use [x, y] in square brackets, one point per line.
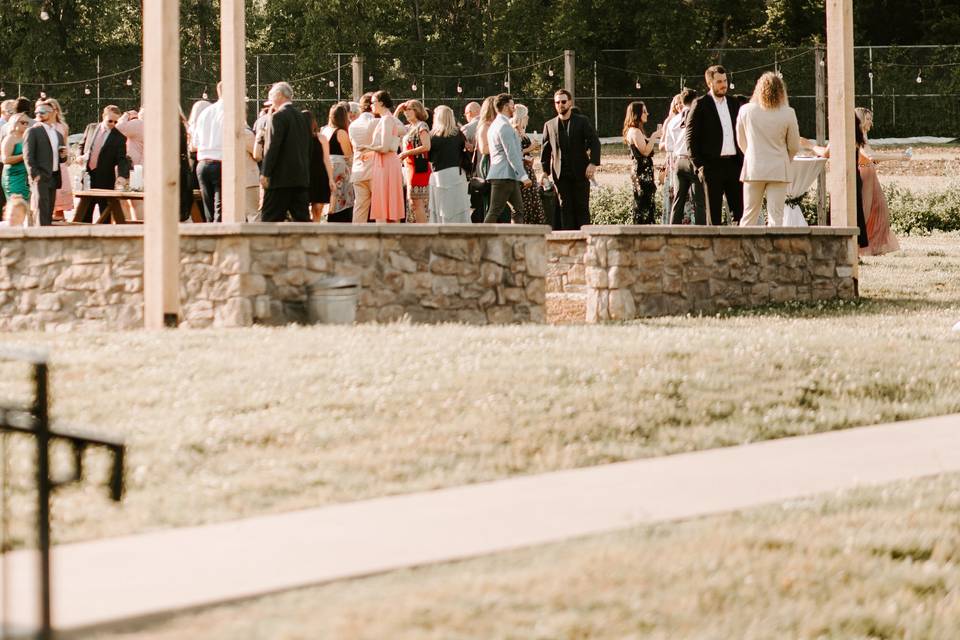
[238, 275]
[654, 271]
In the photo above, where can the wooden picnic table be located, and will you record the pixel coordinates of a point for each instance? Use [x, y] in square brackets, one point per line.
[119, 209]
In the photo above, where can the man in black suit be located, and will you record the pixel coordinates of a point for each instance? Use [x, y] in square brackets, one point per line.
[43, 151]
[570, 156]
[711, 139]
[285, 174]
[104, 152]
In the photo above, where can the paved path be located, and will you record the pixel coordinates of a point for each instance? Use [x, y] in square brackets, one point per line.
[121, 578]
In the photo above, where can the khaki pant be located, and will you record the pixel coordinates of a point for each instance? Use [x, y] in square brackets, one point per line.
[753, 198]
[361, 203]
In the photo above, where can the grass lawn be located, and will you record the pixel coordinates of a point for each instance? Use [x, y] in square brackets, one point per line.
[228, 423]
[882, 562]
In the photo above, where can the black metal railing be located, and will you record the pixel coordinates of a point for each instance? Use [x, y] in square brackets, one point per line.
[33, 421]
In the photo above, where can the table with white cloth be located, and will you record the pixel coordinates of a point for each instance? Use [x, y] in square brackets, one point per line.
[804, 171]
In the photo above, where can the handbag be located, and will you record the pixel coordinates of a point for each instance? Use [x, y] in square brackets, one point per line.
[420, 164]
[478, 186]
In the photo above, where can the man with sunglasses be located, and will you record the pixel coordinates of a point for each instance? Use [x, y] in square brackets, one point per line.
[570, 156]
[43, 151]
[104, 153]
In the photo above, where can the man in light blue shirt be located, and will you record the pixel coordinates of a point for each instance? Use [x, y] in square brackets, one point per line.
[506, 172]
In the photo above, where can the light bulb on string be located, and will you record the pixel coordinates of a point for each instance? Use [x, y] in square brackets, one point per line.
[331, 84]
[732, 86]
[369, 78]
[506, 84]
[204, 95]
[919, 76]
[44, 15]
[3, 94]
[86, 91]
[129, 81]
[413, 87]
[459, 87]
[638, 85]
[550, 72]
[870, 74]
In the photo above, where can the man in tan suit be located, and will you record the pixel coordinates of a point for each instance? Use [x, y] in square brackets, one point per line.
[361, 136]
[769, 137]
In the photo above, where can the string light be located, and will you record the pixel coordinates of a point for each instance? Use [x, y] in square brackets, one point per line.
[369, 78]
[204, 95]
[506, 84]
[44, 15]
[86, 91]
[459, 87]
[413, 87]
[919, 76]
[638, 85]
[550, 72]
[331, 84]
[129, 81]
[3, 94]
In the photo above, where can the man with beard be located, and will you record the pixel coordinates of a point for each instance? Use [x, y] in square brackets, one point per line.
[570, 156]
[711, 140]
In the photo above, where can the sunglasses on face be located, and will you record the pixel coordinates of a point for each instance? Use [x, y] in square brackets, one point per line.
[560, 101]
[44, 113]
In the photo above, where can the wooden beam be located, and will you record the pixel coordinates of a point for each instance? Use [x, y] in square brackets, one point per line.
[161, 96]
[233, 74]
[570, 72]
[841, 179]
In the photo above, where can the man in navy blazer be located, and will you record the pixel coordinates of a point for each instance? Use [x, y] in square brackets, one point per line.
[712, 141]
[506, 172]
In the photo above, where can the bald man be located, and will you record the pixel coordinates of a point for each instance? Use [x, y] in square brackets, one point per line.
[471, 113]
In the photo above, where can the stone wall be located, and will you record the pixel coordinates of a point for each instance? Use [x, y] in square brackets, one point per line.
[237, 275]
[653, 271]
[566, 272]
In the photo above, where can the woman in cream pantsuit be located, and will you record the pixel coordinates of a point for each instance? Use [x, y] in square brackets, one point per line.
[769, 137]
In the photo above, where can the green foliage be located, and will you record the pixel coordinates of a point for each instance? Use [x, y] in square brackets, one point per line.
[921, 212]
[611, 206]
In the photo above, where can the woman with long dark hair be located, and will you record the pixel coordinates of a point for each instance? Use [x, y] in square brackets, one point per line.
[880, 238]
[642, 149]
[321, 172]
[341, 159]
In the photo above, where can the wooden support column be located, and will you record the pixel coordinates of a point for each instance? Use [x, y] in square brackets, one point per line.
[161, 96]
[356, 71]
[233, 75]
[841, 180]
[570, 73]
[820, 75]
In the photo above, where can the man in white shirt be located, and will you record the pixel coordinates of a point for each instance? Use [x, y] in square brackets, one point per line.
[713, 149]
[208, 141]
[506, 172]
[361, 133]
[686, 176]
[43, 150]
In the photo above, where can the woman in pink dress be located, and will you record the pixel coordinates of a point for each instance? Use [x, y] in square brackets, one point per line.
[880, 237]
[386, 179]
[64, 201]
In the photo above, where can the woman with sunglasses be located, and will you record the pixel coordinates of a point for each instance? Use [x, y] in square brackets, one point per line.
[14, 179]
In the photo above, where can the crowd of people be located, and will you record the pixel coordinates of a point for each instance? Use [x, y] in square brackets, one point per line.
[374, 161]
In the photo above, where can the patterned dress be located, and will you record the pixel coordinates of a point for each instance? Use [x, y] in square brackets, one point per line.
[418, 181]
[532, 206]
[644, 187]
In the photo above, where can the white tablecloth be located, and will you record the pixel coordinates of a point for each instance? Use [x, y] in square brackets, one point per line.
[805, 171]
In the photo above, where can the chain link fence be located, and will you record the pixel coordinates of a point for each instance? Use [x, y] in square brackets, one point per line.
[913, 91]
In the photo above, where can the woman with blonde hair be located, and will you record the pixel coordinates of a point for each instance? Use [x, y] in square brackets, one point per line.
[449, 202]
[532, 206]
[769, 137]
[481, 157]
[64, 201]
[415, 156]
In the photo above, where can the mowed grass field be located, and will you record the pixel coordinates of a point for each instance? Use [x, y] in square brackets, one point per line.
[882, 562]
[228, 423]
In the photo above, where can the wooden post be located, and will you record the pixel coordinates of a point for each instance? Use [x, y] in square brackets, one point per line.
[569, 72]
[356, 68]
[819, 72]
[161, 96]
[233, 74]
[841, 180]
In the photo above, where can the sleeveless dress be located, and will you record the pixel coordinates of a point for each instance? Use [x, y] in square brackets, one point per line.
[532, 205]
[386, 175]
[14, 179]
[319, 183]
[64, 200]
[644, 187]
[341, 200]
[880, 238]
[418, 181]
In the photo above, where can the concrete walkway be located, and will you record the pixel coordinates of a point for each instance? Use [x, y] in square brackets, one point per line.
[121, 578]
